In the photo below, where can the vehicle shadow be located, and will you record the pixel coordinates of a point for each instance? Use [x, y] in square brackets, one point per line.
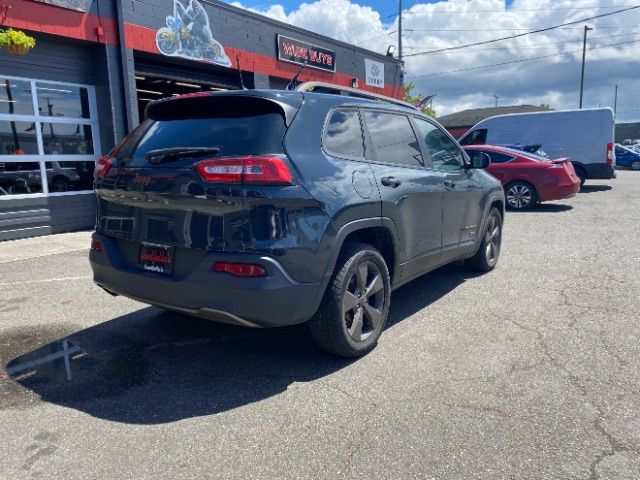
[594, 188]
[545, 208]
[152, 366]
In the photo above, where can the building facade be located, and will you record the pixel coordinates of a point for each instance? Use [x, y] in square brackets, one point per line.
[96, 65]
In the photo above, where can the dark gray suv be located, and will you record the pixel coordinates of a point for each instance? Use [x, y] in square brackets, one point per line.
[270, 208]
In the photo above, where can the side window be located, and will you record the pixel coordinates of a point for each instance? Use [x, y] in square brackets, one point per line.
[393, 139]
[446, 156]
[344, 134]
[477, 137]
[499, 157]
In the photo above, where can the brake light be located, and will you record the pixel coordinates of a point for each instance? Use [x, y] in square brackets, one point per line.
[610, 153]
[240, 269]
[96, 245]
[102, 166]
[254, 170]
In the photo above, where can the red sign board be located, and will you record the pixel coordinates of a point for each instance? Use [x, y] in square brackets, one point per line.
[296, 51]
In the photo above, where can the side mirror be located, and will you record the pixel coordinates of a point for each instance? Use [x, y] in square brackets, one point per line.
[480, 160]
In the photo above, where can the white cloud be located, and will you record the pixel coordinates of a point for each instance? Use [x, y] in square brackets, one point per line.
[554, 80]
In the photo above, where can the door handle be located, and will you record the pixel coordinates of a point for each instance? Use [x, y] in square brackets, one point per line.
[392, 182]
[449, 183]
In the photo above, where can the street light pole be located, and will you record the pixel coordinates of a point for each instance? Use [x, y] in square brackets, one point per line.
[497, 97]
[615, 102]
[400, 30]
[584, 54]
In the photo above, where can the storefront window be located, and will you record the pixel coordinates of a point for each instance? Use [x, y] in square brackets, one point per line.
[66, 139]
[66, 176]
[55, 132]
[62, 101]
[18, 138]
[19, 178]
[15, 97]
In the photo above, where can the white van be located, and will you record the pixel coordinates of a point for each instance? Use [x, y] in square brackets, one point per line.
[586, 136]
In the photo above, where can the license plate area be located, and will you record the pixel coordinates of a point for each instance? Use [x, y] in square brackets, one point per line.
[156, 258]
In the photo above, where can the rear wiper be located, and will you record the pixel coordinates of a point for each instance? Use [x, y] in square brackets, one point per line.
[162, 155]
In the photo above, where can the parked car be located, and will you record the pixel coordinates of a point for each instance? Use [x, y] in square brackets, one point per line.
[25, 177]
[586, 136]
[627, 157]
[269, 208]
[527, 178]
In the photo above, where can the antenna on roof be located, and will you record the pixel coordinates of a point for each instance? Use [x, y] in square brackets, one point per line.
[240, 72]
[293, 83]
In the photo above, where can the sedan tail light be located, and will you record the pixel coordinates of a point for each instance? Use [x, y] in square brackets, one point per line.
[102, 166]
[261, 170]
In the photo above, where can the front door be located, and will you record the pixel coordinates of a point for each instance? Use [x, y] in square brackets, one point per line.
[462, 200]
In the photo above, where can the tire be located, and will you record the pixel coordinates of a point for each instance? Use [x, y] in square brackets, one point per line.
[59, 185]
[520, 195]
[486, 258]
[635, 165]
[582, 175]
[348, 323]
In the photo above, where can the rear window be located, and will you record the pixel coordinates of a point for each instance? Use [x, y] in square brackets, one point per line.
[244, 127]
[343, 136]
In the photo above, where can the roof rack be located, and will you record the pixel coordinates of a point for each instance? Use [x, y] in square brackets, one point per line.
[325, 87]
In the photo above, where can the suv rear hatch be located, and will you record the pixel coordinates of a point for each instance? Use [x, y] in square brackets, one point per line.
[179, 179]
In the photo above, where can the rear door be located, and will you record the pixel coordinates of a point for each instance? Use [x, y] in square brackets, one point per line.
[411, 195]
[463, 192]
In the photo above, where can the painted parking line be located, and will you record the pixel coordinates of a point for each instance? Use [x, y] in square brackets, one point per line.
[46, 280]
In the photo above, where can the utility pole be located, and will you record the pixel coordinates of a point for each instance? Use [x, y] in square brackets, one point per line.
[496, 97]
[584, 54]
[615, 102]
[400, 30]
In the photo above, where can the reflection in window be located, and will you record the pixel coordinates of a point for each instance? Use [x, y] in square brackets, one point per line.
[69, 176]
[393, 139]
[19, 178]
[67, 139]
[18, 138]
[344, 135]
[15, 97]
[62, 100]
[445, 154]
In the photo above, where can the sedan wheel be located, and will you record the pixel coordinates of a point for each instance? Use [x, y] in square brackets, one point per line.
[635, 165]
[520, 196]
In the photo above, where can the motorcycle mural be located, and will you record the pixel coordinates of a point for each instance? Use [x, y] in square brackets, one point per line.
[189, 36]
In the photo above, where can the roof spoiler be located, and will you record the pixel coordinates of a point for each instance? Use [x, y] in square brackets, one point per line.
[325, 87]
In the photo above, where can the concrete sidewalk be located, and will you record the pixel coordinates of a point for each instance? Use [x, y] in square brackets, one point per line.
[25, 248]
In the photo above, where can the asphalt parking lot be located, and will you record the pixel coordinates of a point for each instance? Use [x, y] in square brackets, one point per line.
[529, 372]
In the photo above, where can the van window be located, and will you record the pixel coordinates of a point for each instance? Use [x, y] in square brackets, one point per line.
[477, 137]
[393, 139]
[343, 136]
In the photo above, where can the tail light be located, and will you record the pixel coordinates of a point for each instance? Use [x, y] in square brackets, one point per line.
[102, 166]
[240, 269]
[610, 153]
[96, 245]
[255, 170]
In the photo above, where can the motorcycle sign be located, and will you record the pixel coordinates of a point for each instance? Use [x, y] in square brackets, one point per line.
[189, 36]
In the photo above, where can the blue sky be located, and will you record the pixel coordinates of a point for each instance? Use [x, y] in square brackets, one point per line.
[532, 69]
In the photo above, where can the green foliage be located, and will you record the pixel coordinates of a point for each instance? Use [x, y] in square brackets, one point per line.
[16, 37]
[545, 106]
[410, 98]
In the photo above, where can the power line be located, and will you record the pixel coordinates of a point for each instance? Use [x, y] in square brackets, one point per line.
[509, 10]
[519, 60]
[523, 34]
[519, 47]
[506, 29]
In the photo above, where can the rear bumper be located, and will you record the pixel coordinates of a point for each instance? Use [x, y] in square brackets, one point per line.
[274, 300]
[558, 192]
[601, 171]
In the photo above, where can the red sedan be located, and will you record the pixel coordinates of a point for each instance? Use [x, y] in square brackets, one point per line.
[527, 178]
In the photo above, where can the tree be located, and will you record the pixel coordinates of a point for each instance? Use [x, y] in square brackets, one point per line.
[410, 98]
[546, 106]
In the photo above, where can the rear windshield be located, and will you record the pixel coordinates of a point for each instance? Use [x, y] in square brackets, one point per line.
[234, 131]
